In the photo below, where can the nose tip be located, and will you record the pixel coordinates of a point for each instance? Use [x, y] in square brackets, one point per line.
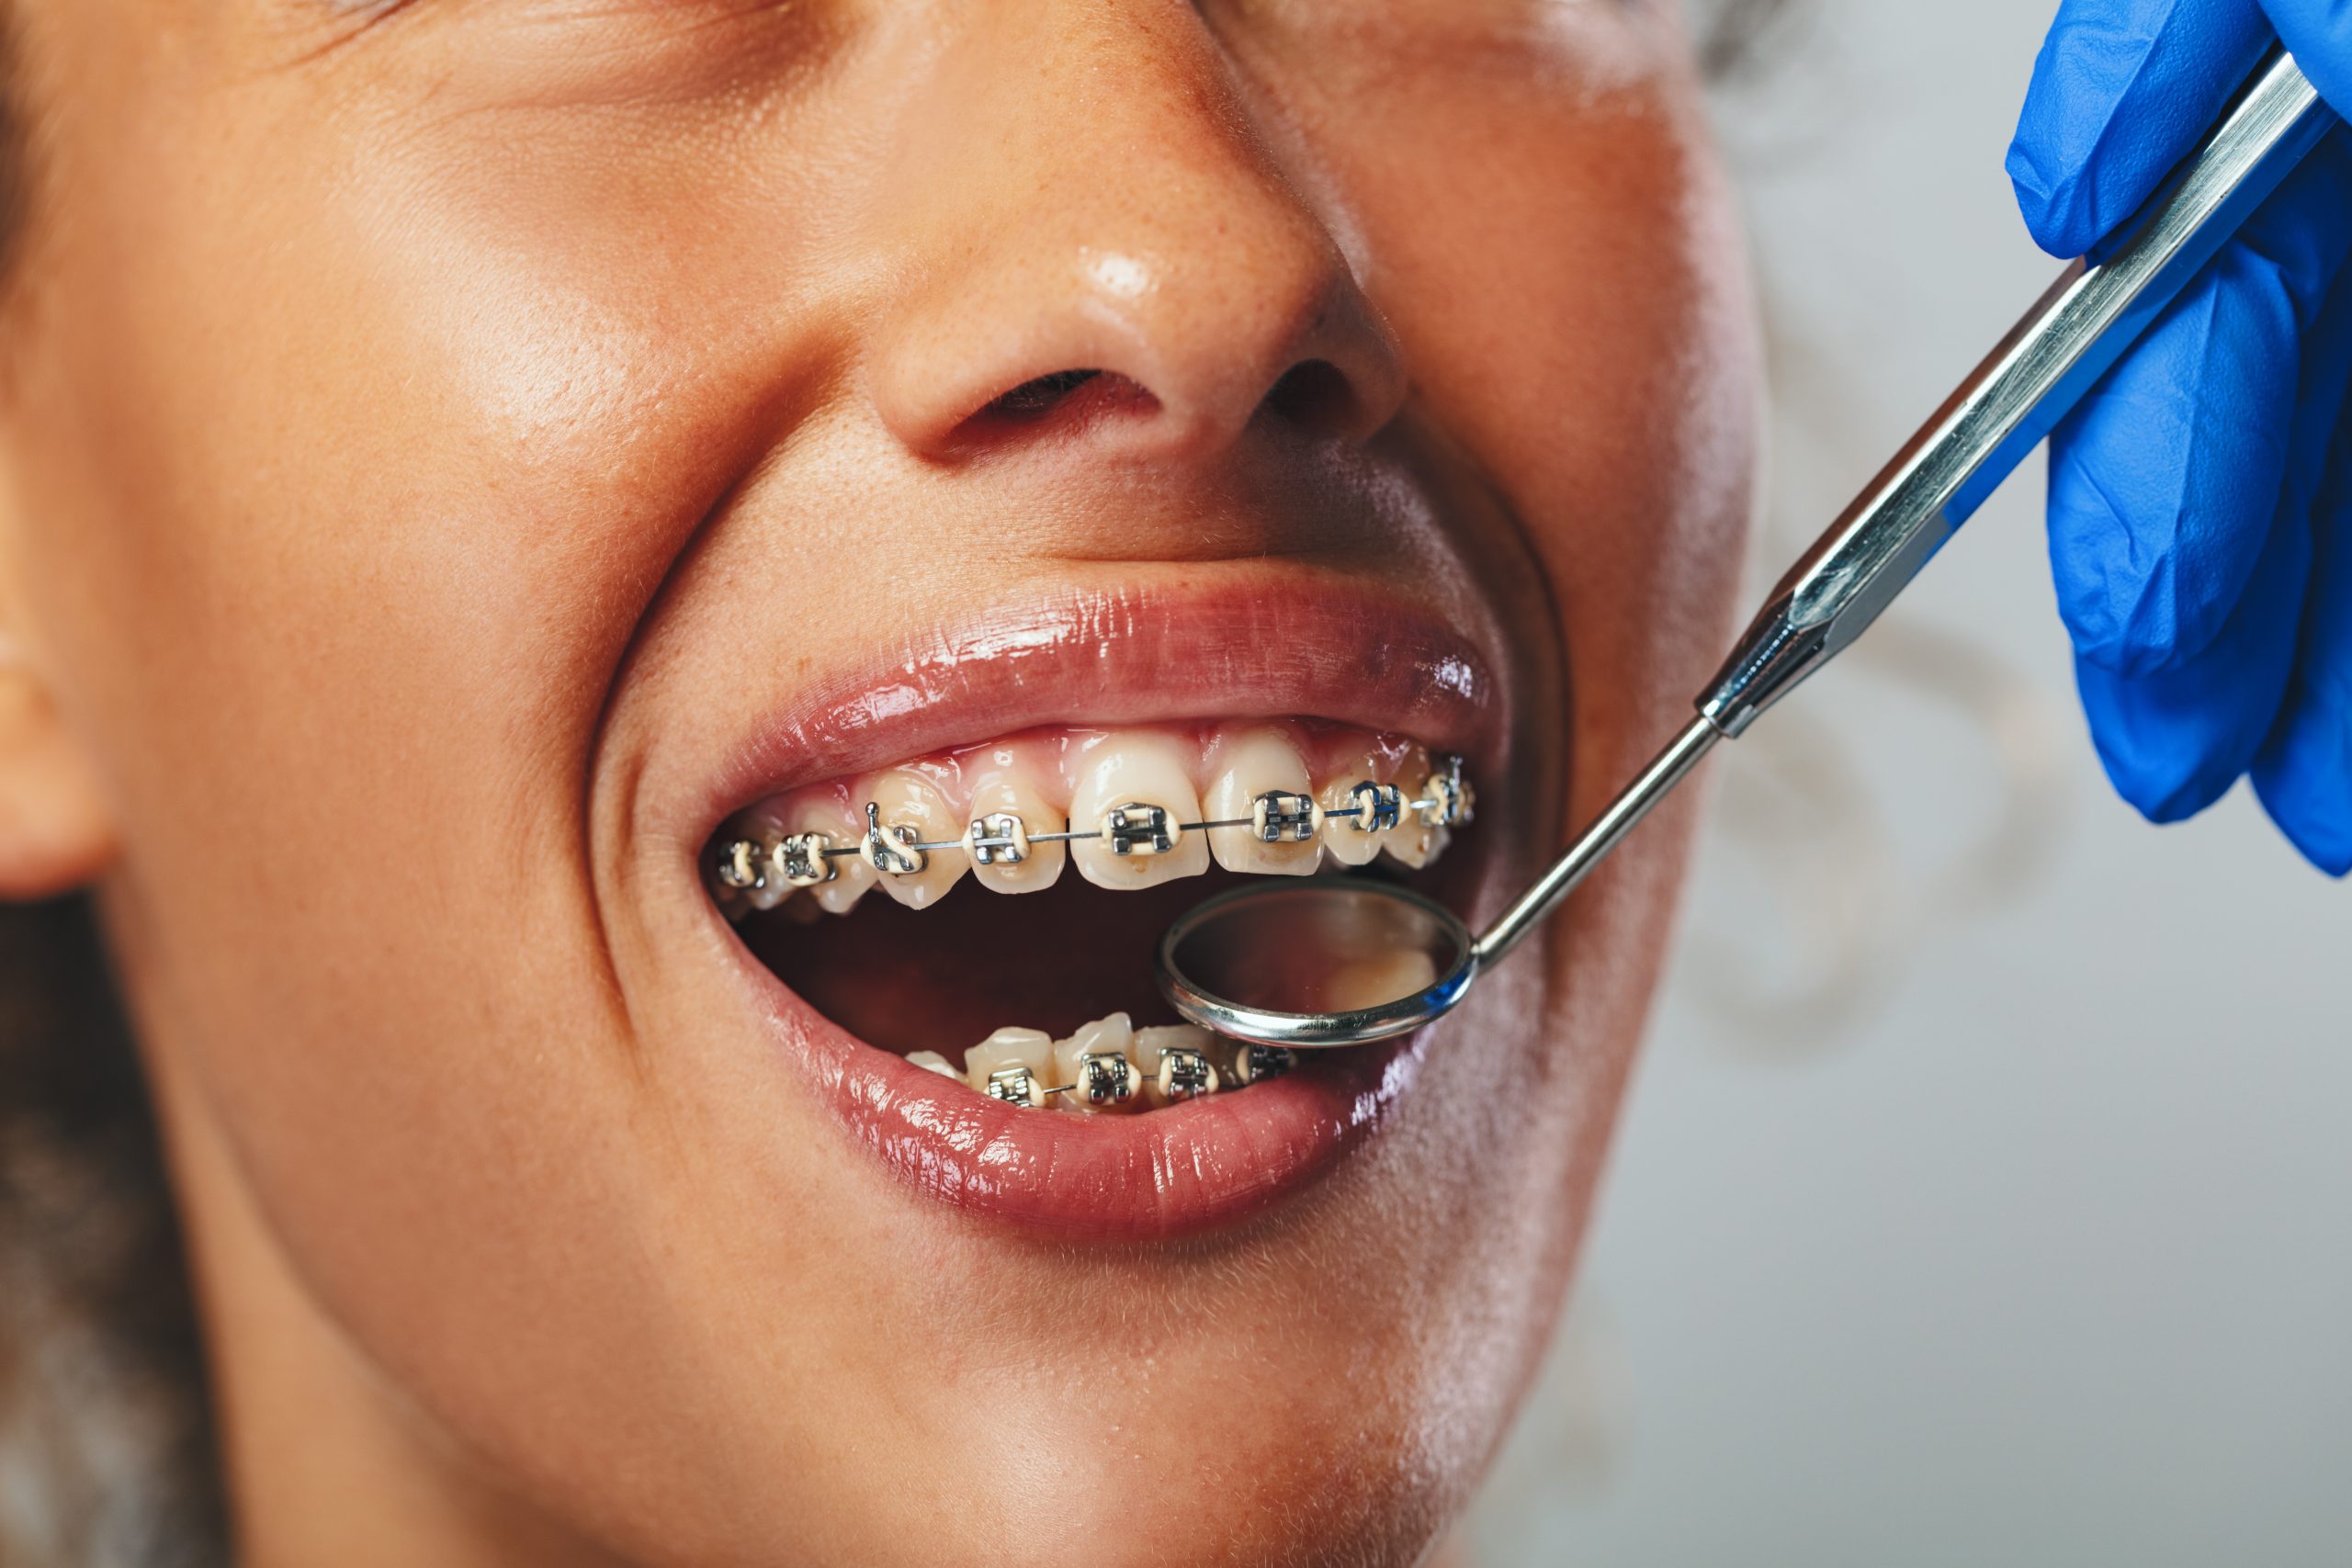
[1156, 290]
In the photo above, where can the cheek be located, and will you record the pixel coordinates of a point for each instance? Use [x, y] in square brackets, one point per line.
[1568, 277]
[1562, 260]
[355, 526]
[400, 499]
[411, 456]
[1563, 266]
[341, 627]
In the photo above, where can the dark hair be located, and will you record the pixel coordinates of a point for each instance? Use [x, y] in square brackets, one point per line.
[104, 1410]
[103, 1407]
[1736, 37]
[107, 1457]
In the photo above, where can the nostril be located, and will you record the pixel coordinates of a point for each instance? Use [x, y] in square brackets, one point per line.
[1035, 399]
[1315, 395]
[1063, 401]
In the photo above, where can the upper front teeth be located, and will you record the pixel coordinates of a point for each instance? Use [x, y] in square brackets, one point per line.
[1138, 828]
[1137, 790]
[1378, 807]
[1261, 778]
[1134, 817]
[999, 839]
[1278, 816]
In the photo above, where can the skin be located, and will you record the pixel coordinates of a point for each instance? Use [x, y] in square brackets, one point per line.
[408, 419]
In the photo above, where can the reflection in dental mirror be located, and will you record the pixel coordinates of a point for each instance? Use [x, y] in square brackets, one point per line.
[1329, 963]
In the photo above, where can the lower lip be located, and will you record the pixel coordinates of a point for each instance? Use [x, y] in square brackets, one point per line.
[1155, 1176]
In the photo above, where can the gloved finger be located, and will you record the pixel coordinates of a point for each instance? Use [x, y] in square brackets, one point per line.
[2164, 482]
[2175, 739]
[2318, 33]
[2122, 91]
[2304, 774]
[2172, 742]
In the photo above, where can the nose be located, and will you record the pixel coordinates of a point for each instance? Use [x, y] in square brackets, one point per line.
[1097, 245]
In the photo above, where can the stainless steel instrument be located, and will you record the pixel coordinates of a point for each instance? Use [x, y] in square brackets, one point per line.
[1212, 963]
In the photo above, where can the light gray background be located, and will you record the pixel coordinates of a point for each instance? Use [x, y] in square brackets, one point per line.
[1998, 1207]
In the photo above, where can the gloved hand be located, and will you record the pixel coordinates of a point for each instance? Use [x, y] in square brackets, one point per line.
[2201, 499]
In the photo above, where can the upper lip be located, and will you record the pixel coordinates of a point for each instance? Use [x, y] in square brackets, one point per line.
[1275, 640]
[1292, 642]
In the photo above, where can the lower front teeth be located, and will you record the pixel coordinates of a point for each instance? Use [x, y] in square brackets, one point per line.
[1092, 1070]
[1107, 1066]
[988, 1066]
[1184, 1074]
[1184, 1061]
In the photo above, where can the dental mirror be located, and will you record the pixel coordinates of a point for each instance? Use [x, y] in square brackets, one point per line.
[1342, 961]
[1338, 960]
[1330, 962]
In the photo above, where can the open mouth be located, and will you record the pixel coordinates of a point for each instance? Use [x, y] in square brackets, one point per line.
[872, 983]
[990, 913]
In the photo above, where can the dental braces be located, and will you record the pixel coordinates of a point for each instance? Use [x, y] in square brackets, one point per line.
[1107, 1077]
[1136, 829]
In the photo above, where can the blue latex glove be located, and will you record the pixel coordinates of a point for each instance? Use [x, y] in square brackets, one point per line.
[2201, 499]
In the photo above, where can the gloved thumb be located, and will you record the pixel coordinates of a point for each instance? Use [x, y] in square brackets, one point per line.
[2318, 33]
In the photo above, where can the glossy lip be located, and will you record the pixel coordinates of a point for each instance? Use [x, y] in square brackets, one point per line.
[1302, 643]
[1156, 1176]
[1297, 643]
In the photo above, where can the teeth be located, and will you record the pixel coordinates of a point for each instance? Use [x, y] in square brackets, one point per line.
[1252, 762]
[1014, 789]
[739, 864]
[1376, 982]
[1110, 1067]
[1178, 1063]
[733, 874]
[800, 859]
[1143, 778]
[750, 853]
[1246, 1064]
[1343, 839]
[1031, 1048]
[1094, 1062]
[1452, 801]
[913, 807]
[771, 893]
[1416, 844]
[992, 812]
[826, 814]
[1010, 1051]
[1149, 1043]
[1415, 841]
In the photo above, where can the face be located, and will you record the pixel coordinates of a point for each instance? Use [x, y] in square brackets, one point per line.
[470, 463]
